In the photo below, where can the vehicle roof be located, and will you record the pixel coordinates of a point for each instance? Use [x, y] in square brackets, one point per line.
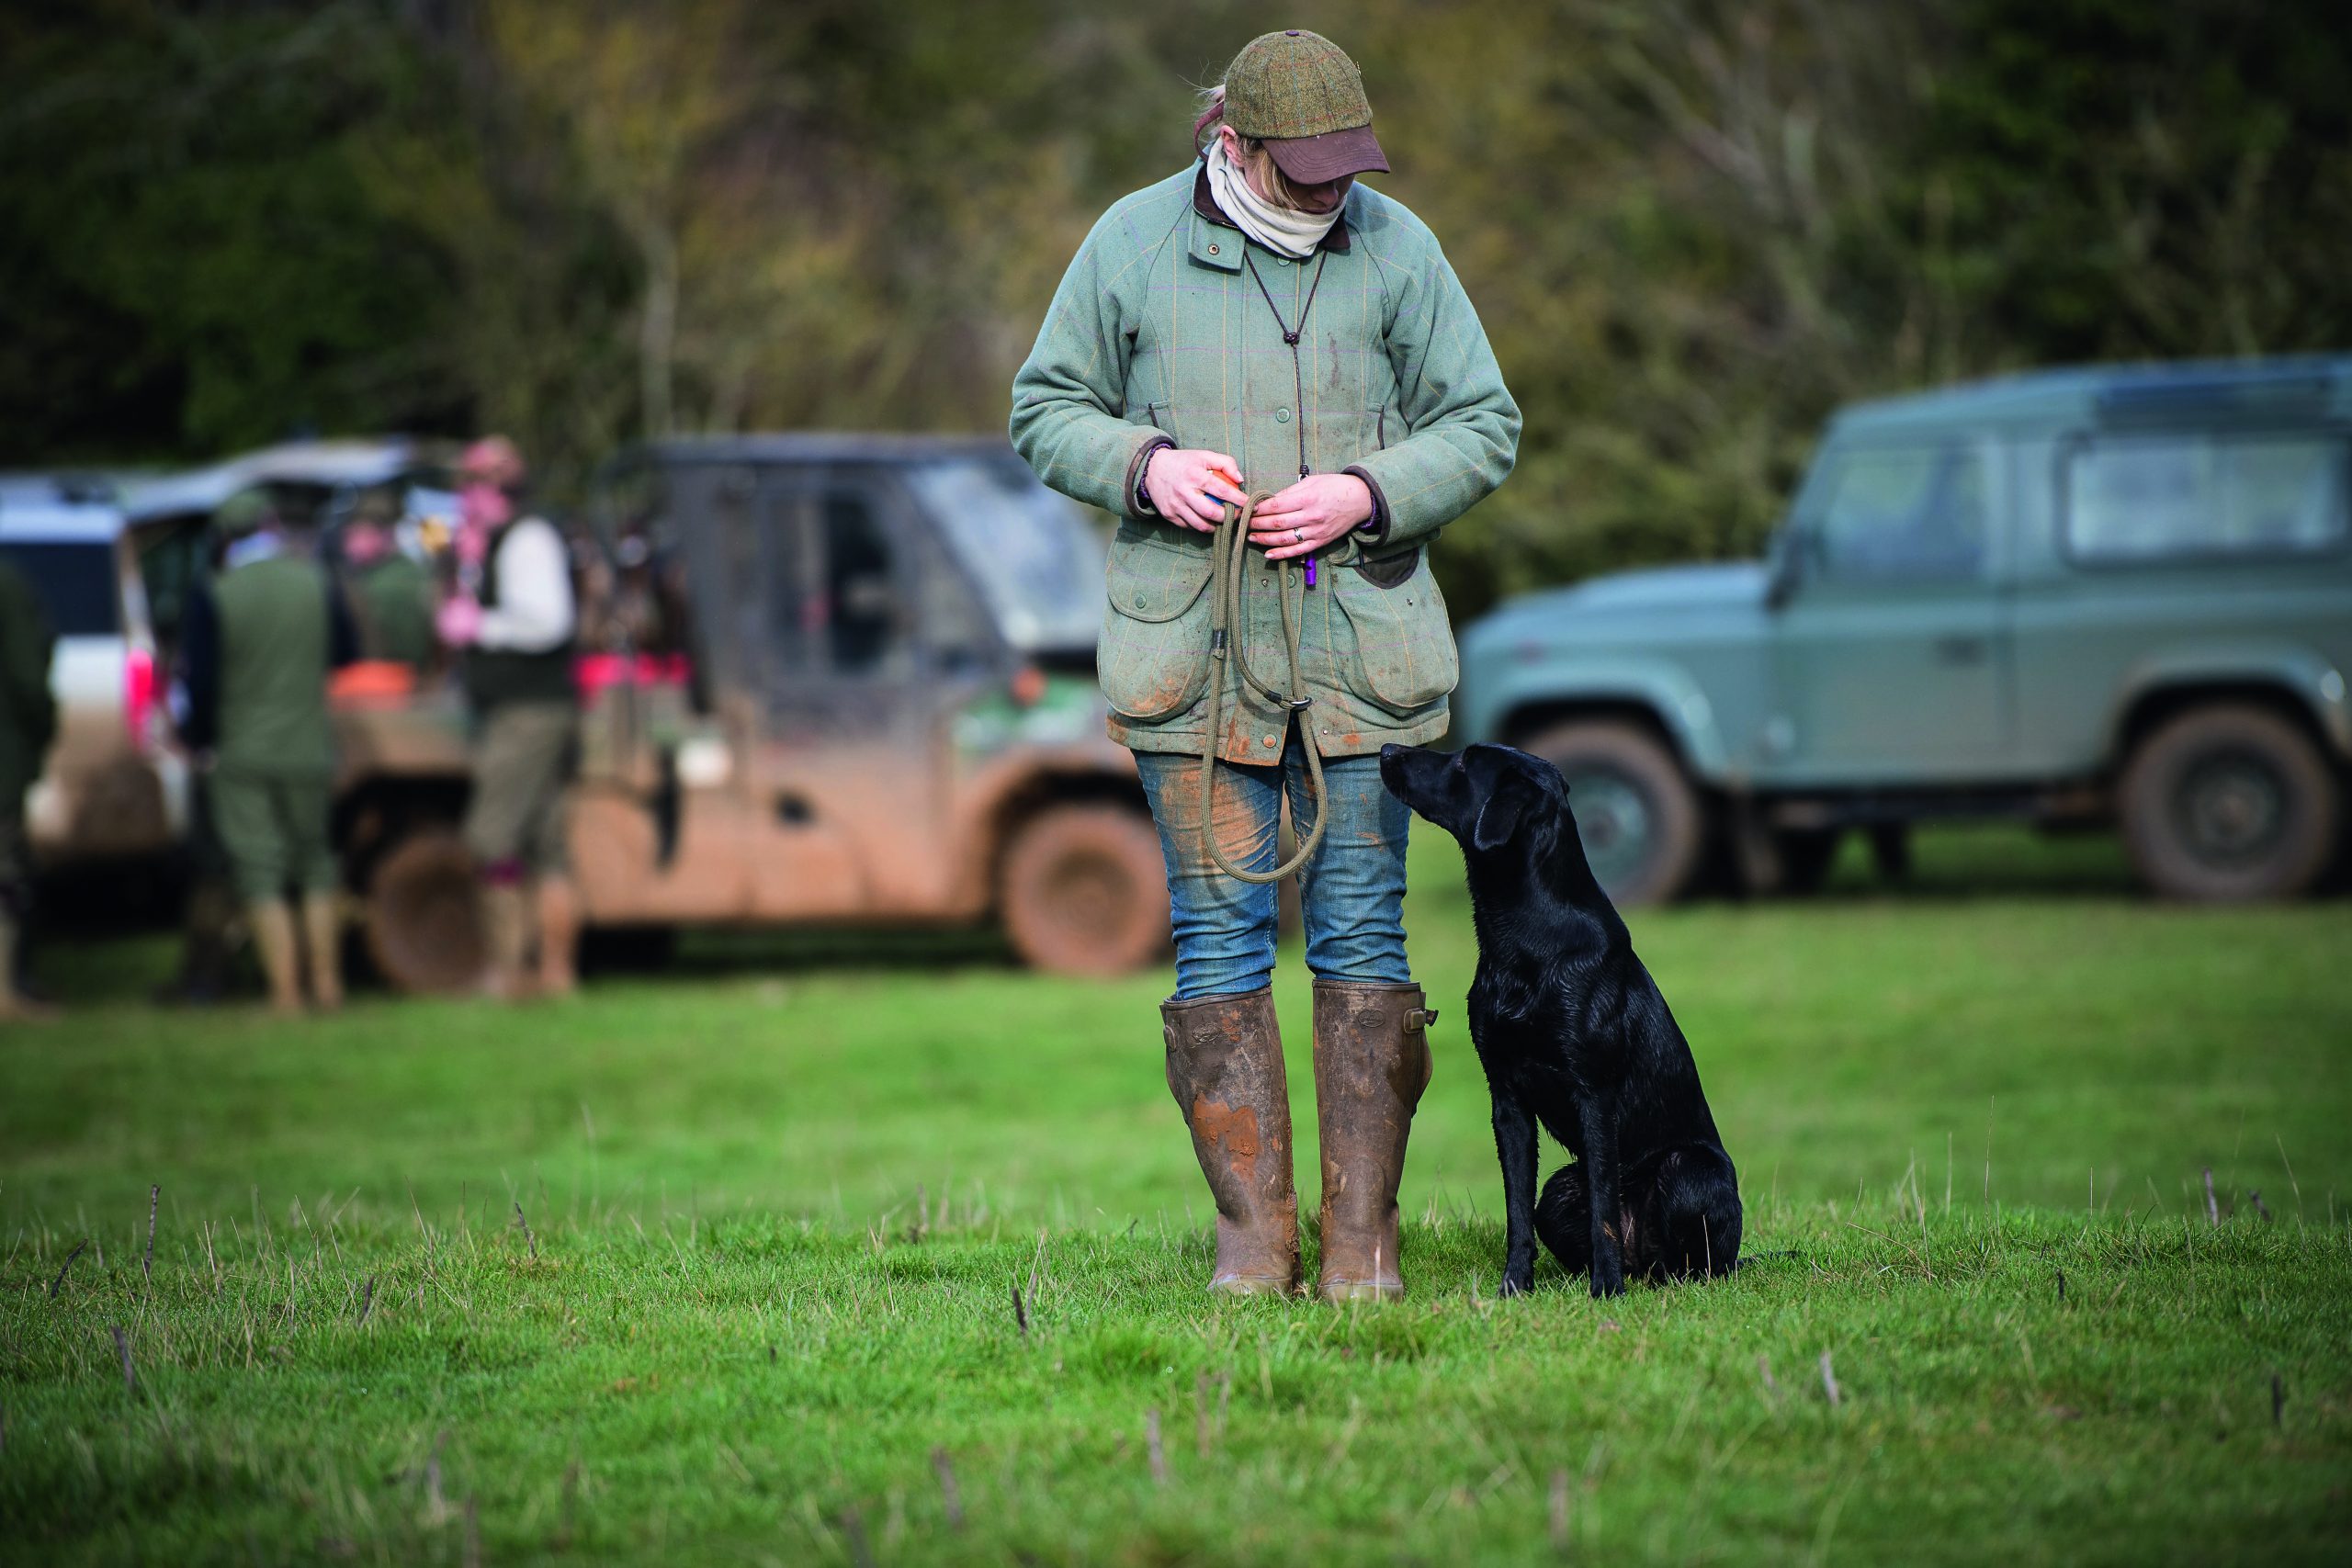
[352, 460]
[822, 447]
[48, 521]
[2304, 387]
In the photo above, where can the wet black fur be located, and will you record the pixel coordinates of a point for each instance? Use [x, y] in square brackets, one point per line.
[1574, 1034]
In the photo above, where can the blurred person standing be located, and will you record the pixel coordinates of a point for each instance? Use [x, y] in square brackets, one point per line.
[1260, 322]
[517, 619]
[392, 594]
[261, 641]
[27, 725]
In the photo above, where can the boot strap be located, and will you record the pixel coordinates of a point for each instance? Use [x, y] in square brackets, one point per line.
[1419, 1019]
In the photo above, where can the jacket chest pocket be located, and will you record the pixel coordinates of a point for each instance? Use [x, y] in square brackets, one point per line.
[1152, 657]
[1403, 657]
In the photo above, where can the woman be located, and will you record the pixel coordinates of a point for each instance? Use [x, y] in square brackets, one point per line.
[1261, 324]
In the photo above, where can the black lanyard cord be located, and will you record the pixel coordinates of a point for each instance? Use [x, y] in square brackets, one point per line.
[1289, 336]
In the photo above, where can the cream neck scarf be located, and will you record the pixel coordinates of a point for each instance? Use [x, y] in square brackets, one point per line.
[1279, 229]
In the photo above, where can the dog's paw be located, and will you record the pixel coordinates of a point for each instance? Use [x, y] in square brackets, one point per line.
[1608, 1282]
[1519, 1282]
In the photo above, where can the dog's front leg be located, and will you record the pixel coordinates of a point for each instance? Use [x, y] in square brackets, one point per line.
[1602, 1181]
[1515, 1144]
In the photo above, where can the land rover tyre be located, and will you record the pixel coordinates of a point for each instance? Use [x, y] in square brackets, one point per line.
[424, 915]
[1635, 810]
[1084, 890]
[2228, 803]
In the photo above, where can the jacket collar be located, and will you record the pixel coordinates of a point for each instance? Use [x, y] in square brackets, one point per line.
[1221, 247]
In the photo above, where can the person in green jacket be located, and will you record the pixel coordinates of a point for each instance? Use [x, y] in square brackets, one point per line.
[392, 593]
[259, 642]
[27, 725]
[1262, 326]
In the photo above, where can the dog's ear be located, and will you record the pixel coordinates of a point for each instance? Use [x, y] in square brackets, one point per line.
[1498, 818]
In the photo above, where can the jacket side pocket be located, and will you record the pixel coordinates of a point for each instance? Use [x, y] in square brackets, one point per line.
[1404, 657]
[1152, 657]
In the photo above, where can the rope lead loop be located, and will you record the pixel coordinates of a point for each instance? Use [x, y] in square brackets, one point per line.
[1229, 560]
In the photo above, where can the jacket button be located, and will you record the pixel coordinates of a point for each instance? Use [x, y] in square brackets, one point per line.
[1281, 261]
[1212, 250]
[1282, 416]
[1272, 740]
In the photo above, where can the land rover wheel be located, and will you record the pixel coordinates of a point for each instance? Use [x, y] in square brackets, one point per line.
[2229, 804]
[1085, 892]
[425, 922]
[1635, 812]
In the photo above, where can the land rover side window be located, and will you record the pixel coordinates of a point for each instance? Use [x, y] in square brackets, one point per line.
[73, 583]
[1903, 511]
[2141, 498]
[863, 624]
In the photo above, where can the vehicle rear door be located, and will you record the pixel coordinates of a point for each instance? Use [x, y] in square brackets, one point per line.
[852, 763]
[1891, 650]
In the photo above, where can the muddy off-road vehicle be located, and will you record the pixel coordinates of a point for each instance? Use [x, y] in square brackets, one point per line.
[829, 681]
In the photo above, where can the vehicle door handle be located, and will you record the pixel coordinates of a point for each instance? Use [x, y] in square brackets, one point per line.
[1959, 651]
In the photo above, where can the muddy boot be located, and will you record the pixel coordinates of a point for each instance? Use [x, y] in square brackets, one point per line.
[1225, 1067]
[1371, 1061]
[559, 937]
[272, 929]
[15, 1006]
[322, 948]
[207, 944]
[506, 922]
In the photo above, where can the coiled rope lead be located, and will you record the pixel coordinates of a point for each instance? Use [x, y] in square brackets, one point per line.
[1229, 560]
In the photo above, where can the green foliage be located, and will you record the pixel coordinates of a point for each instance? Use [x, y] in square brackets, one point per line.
[775, 1221]
[1693, 228]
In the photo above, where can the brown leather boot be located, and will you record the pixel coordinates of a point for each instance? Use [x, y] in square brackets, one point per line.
[273, 927]
[559, 910]
[1371, 1061]
[1225, 1067]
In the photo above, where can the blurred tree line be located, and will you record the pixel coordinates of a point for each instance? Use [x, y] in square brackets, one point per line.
[1693, 226]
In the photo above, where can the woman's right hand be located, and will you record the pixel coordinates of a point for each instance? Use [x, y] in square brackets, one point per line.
[1190, 486]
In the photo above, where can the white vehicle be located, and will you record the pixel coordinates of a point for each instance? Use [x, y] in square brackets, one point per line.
[111, 789]
[111, 558]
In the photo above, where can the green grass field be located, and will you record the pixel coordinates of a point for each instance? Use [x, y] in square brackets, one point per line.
[778, 1205]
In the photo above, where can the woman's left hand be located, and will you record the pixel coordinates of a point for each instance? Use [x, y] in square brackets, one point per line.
[1309, 514]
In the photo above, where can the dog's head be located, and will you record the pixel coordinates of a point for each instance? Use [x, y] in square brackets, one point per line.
[1493, 799]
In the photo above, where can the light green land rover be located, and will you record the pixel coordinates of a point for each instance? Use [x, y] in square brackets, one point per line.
[2116, 594]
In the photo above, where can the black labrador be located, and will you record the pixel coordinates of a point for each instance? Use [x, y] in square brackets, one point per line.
[1574, 1033]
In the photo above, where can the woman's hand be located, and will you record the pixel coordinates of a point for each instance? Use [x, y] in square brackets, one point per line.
[1189, 486]
[1309, 514]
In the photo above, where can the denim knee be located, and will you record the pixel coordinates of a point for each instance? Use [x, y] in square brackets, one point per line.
[1353, 889]
[1224, 927]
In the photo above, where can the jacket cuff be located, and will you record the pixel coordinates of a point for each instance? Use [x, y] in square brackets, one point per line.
[1138, 502]
[1377, 531]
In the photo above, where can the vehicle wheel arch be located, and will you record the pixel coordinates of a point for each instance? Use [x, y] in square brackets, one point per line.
[1018, 797]
[2157, 703]
[1530, 719]
[373, 813]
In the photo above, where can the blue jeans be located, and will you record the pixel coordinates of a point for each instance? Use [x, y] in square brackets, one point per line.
[1353, 889]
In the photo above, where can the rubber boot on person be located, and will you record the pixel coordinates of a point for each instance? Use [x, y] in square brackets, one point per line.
[516, 619]
[1257, 258]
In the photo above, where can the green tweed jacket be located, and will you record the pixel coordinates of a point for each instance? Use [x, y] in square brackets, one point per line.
[1160, 335]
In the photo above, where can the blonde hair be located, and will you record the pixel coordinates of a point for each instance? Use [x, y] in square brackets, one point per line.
[1255, 161]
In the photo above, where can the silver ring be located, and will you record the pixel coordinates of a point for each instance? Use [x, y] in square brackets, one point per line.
[1298, 536]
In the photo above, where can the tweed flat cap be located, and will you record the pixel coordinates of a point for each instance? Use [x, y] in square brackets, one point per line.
[1300, 94]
